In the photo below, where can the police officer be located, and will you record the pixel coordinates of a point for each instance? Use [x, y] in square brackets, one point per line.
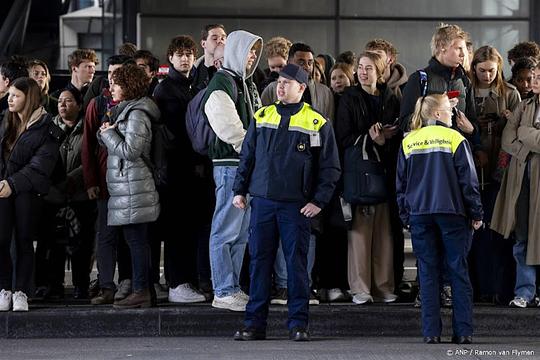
[289, 165]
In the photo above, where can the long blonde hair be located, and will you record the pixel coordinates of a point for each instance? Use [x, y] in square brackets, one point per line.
[424, 109]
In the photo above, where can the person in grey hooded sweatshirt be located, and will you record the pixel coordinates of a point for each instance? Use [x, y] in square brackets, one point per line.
[229, 104]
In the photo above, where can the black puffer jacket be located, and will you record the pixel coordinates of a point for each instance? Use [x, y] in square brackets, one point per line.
[355, 115]
[32, 160]
[440, 80]
[172, 96]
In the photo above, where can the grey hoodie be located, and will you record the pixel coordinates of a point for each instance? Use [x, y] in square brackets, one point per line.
[237, 48]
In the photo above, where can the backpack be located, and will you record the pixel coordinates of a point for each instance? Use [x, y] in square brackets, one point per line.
[162, 142]
[198, 128]
[423, 82]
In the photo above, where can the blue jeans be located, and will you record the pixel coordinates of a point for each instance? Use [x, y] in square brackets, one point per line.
[229, 235]
[272, 220]
[450, 234]
[525, 274]
[280, 266]
[136, 236]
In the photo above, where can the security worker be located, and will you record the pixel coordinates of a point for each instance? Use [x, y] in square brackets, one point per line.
[289, 165]
[438, 196]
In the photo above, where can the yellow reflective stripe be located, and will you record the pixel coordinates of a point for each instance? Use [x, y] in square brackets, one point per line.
[267, 125]
[306, 120]
[267, 115]
[432, 139]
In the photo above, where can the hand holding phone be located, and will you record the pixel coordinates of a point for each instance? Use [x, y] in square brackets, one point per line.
[452, 94]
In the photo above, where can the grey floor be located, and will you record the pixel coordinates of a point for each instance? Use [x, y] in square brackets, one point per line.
[276, 348]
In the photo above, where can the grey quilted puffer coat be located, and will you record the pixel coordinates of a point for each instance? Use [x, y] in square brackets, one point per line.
[133, 196]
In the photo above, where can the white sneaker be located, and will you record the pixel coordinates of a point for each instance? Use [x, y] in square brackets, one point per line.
[335, 295]
[5, 300]
[184, 294]
[124, 290]
[387, 298]
[362, 298]
[518, 302]
[234, 302]
[20, 301]
[243, 295]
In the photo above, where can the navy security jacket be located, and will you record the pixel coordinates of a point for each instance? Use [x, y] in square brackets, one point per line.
[436, 174]
[289, 154]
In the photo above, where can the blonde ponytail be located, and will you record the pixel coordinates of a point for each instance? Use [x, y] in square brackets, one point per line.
[424, 108]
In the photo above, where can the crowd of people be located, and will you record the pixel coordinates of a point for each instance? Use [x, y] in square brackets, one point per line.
[276, 194]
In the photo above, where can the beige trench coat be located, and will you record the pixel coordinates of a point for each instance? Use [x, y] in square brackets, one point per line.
[522, 141]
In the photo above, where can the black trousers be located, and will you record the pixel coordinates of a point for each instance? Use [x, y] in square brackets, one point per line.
[180, 243]
[51, 252]
[18, 222]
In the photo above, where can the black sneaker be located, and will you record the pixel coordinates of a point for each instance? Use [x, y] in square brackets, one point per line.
[461, 340]
[247, 334]
[80, 292]
[280, 297]
[313, 300]
[299, 334]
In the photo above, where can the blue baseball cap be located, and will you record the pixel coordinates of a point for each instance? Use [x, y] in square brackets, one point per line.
[294, 72]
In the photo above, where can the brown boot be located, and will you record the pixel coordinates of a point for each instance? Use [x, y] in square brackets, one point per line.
[105, 296]
[138, 299]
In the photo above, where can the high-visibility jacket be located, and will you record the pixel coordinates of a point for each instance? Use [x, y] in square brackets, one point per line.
[289, 154]
[436, 174]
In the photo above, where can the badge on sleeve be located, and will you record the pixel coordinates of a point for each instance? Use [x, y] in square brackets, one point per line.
[315, 140]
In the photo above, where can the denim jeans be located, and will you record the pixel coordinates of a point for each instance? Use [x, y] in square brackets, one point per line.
[451, 235]
[280, 265]
[136, 236]
[525, 274]
[229, 234]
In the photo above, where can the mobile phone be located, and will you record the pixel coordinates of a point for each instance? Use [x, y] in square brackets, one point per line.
[452, 94]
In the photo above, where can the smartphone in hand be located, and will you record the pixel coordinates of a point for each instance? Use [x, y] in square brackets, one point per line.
[452, 94]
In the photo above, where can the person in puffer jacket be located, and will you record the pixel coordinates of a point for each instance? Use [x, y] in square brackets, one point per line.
[134, 201]
[29, 144]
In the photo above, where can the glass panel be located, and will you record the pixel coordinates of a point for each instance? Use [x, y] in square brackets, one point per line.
[412, 38]
[433, 8]
[239, 7]
[157, 32]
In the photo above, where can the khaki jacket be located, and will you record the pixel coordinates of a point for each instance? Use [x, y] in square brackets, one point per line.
[522, 141]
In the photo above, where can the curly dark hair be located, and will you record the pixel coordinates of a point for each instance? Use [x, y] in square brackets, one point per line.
[182, 42]
[524, 49]
[133, 81]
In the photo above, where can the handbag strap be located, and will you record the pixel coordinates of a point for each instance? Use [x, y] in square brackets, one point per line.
[365, 155]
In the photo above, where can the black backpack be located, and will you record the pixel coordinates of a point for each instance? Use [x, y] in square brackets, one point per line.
[162, 144]
[198, 128]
